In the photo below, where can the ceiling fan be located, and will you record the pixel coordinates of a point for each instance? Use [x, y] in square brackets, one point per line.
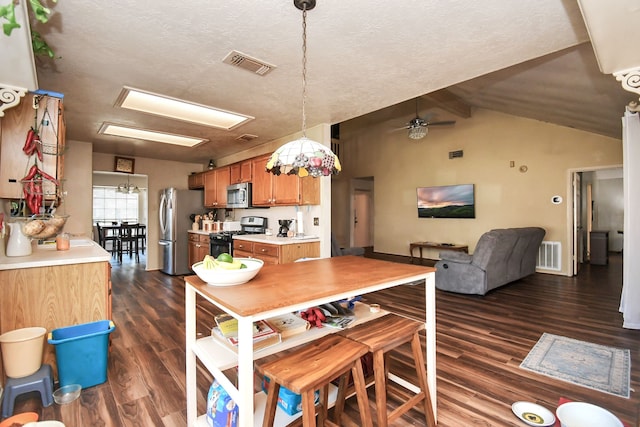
[419, 126]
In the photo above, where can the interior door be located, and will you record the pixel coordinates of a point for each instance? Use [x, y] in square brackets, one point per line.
[362, 223]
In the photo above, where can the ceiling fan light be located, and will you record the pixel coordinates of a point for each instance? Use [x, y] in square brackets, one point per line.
[418, 132]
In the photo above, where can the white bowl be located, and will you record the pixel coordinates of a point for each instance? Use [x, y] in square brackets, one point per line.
[222, 277]
[581, 414]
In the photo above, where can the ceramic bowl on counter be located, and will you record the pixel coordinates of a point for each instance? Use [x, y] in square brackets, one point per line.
[223, 277]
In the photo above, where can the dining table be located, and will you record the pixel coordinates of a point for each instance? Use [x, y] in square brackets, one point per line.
[280, 289]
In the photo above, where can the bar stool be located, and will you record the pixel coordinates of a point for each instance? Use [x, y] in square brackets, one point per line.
[311, 368]
[41, 381]
[382, 335]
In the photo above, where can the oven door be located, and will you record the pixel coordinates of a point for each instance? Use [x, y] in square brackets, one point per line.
[219, 244]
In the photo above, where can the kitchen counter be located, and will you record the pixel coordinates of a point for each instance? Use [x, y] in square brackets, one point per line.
[204, 233]
[275, 240]
[82, 250]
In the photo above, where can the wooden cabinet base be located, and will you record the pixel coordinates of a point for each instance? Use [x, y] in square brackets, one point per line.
[54, 297]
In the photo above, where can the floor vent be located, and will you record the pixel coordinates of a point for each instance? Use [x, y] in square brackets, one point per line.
[550, 256]
[240, 60]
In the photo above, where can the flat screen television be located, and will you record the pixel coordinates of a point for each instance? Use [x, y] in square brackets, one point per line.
[446, 201]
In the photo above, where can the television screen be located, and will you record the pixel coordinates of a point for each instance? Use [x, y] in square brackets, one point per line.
[447, 201]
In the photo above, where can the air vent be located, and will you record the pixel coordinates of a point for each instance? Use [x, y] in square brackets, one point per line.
[246, 137]
[455, 154]
[240, 60]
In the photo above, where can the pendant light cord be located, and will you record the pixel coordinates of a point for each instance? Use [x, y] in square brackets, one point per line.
[304, 71]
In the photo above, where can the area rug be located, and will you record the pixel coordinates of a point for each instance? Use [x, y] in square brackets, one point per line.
[595, 366]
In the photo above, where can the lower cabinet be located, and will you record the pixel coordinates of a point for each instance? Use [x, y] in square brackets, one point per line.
[198, 247]
[54, 297]
[275, 254]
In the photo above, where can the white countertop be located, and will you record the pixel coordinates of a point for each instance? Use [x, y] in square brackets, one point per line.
[275, 240]
[205, 233]
[82, 250]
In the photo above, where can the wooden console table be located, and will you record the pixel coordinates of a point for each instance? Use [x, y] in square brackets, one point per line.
[432, 245]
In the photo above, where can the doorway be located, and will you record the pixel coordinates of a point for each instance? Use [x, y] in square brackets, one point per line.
[598, 204]
[361, 217]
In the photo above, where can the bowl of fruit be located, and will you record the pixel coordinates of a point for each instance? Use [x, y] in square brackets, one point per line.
[226, 270]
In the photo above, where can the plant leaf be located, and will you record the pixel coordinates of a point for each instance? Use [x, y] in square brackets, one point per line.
[41, 13]
[8, 12]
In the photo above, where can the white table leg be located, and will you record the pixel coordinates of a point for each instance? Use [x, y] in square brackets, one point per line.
[430, 317]
[190, 328]
[245, 372]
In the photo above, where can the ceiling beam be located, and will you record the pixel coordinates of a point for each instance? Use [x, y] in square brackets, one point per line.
[449, 102]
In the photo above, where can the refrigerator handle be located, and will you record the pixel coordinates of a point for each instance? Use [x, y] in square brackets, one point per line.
[162, 213]
[161, 243]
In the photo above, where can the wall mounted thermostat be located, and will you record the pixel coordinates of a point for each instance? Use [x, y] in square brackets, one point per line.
[556, 200]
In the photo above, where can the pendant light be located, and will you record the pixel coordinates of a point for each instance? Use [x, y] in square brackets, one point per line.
[303, 156]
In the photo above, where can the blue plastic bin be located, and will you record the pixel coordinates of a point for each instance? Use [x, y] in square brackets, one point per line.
[81, 352]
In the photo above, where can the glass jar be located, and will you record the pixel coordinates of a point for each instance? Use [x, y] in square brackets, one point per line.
[62, 242]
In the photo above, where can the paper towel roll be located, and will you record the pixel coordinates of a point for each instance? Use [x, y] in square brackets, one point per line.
[299, 224]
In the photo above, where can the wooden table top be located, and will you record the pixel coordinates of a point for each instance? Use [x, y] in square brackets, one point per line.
[284, 285]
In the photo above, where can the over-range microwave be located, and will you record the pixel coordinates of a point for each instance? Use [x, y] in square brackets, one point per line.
[239, 195]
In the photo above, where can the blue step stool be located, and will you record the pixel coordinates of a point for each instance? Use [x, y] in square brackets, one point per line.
[41, 381]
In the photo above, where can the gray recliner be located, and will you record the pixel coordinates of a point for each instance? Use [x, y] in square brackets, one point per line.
[500, 257]
[336, 250]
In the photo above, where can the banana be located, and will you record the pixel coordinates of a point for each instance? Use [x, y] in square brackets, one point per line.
[235, 265]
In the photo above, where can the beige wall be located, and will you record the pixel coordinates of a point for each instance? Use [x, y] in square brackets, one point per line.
[77, 186]
[161, 174]
[505, 197]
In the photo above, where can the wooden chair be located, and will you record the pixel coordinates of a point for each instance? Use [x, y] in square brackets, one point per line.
[313, 367]
[128, 241]
[381, 336]
[142, 236]
[105, 236]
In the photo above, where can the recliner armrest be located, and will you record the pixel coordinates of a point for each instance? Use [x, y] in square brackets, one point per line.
[456, 256]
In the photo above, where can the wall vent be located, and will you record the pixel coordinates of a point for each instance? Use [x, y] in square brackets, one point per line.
[455, 154]
[246, 137]
[240, 60]
[549, 256]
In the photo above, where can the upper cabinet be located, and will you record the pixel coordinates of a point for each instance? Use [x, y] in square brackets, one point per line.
[216, 182]
[283, 190]
[241, 172]
[196, 181]
[48, 117]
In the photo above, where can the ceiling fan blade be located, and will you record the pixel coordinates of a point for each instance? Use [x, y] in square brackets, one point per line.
[442, 123]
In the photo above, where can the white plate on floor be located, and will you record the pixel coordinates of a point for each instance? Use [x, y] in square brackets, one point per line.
[533, 414]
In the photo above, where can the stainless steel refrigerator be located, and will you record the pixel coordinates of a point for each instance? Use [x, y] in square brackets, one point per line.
[176, 206]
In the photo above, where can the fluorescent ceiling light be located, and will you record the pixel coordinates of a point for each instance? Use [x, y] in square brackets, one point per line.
[160, 105]
[149, 135]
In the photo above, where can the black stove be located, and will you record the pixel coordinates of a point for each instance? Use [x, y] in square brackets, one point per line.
[222, 241]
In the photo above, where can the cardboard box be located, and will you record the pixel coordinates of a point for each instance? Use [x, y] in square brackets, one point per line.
[221, 409]
[288, 401]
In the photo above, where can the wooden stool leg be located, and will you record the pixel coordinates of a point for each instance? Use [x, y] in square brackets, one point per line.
[380, 374]
[422, 379]
[271, 405]
[338, 409]
[361, 394]
[308, 408]
[323, 408]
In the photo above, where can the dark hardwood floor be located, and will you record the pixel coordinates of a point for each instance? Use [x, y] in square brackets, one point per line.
[481, 342]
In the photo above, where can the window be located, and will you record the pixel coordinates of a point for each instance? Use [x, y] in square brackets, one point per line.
[109, 205]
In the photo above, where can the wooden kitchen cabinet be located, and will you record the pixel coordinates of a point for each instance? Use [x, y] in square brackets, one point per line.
[216, 182]
[55, 297]
[275, 254]
[241, 172]
[198, 247]
[15, 124]
[283, 190]
[196, 181]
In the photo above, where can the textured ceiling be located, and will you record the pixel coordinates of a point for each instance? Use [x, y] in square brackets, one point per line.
[526, 58]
